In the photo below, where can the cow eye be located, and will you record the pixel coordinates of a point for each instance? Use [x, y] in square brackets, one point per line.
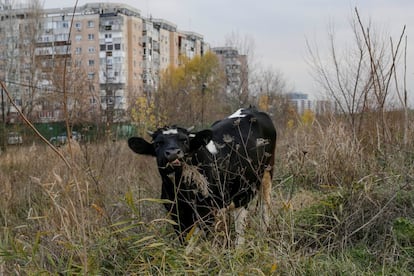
[184, 140]
[158, 144]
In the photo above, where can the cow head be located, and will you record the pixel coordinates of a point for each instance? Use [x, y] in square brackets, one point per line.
[170, 145]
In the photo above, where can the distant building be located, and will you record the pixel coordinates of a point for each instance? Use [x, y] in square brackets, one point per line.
[235, 67]
[117, 55]
[300, 102]
[325, 107]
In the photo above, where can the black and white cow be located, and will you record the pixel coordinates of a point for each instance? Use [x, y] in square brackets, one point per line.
[221, 167]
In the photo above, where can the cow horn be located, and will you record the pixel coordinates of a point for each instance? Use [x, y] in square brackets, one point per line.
[150, 132]
[190, 128]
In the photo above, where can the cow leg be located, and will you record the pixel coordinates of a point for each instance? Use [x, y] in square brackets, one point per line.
[266, 190]
[192, 237]
[240, 215]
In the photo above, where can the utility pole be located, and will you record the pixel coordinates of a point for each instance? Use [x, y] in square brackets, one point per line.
[203, 91]
[3, 124]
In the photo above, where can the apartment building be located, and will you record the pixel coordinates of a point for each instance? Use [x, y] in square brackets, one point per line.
[17, 47]
[157, 49]
[235, 67]
[108, 52]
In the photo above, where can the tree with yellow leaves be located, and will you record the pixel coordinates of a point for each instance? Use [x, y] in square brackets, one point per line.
[192, 93]
[143, 115]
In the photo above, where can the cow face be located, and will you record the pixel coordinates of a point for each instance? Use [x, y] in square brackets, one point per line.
[170, 145]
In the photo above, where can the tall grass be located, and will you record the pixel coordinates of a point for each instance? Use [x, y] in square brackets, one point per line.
[338, 208]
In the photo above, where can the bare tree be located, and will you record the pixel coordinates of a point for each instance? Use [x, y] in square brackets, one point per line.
[344, 77]
[358, 79]
[239, 96]
[29, 33]
[382, 72]
[82, 98]
[20, 27]
[272, 89]
[9, 52]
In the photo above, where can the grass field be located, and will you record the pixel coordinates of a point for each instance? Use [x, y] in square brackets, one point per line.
[339, 209]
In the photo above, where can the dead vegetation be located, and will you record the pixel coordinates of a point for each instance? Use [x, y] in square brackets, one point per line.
[336, 206]
[343, 197]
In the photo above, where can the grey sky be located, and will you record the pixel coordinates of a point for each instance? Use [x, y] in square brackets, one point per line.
[278, 28]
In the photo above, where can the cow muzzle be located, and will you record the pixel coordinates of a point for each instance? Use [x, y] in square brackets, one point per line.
[173, 156]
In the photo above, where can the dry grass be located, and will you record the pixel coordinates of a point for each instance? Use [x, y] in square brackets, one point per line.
[336, 208]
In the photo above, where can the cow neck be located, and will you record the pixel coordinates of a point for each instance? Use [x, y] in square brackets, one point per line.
[174, 176]
[190, 177]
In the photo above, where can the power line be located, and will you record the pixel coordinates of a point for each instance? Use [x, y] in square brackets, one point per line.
[31, 86]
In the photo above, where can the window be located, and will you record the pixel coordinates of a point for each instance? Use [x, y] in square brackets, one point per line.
[117, 46]
[78, 37]
[91, 49]
[91, 75]
[91, 62]
[91, 36]
[102, 47]
[108, 35]
[108, 27]
[91, 24]
[78, 25]
[18, 101]
[78, 50]
[110, 47]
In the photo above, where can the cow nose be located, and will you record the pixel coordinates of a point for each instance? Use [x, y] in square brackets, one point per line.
[172, 154]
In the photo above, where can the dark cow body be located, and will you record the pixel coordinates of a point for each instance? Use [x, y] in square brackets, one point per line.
[211, 169]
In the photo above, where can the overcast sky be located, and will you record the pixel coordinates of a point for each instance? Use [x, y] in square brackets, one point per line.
[279, 28]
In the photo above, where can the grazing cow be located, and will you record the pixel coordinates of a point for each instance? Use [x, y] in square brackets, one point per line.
[221, 167]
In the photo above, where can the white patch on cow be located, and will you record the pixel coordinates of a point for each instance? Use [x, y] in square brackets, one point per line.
[227, 138]
[237, 114]
[170, 131]
[211, 147]
[191, 135]
[192, 238]
[261, 142]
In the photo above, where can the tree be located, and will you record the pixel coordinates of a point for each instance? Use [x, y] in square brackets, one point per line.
[360, 79]
[19, 35]
[190, 94]
[143, 115]
[271, 95]
[240, 96]
[29, 34]
[82, 98]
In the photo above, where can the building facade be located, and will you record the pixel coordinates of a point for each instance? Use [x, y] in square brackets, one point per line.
[300, 102]
[108, 52]
[236, 71]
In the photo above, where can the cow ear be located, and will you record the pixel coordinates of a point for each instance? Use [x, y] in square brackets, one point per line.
[200, 139]
[140, 146]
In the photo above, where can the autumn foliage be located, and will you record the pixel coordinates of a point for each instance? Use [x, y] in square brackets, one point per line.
[187, 95]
